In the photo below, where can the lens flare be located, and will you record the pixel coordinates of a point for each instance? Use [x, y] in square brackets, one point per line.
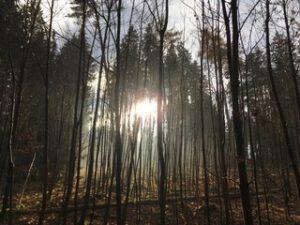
[144, 109]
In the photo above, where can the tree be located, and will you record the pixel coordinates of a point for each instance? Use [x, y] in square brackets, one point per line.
[233, 66]
[288, 143]
[45, 183]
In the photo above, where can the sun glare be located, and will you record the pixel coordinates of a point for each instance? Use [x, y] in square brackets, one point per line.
[144, 109]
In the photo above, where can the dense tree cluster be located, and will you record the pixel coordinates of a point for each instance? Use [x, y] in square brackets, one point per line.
[122, 121]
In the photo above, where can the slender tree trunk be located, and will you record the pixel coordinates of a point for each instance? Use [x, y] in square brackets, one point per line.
[72, 154]
[94, 125]
[118, 143]
[206, 184]
[27, 178]
[253, 156]
[160, 150]
[221, 103]
[233, 65]
[133, 144]
[290, 149]
[45, 153]
[56, 167]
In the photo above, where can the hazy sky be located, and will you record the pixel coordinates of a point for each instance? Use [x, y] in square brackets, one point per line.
[181, 18]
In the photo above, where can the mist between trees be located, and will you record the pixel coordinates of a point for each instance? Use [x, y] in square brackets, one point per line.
[126, 119]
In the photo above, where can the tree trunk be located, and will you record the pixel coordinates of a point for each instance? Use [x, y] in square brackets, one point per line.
[233, 65]
[45, 153]
[282, 118]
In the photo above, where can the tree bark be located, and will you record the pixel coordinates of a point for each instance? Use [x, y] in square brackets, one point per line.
[233, 65]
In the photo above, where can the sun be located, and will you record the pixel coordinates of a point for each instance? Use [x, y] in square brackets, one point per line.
[144, 109]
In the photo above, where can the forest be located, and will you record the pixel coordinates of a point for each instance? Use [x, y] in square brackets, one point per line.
[151, 112]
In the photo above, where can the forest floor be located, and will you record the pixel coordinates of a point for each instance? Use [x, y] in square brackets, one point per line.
[147, 211]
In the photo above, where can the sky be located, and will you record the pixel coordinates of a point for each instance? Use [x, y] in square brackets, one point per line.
[61, 22]
[181, 18]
